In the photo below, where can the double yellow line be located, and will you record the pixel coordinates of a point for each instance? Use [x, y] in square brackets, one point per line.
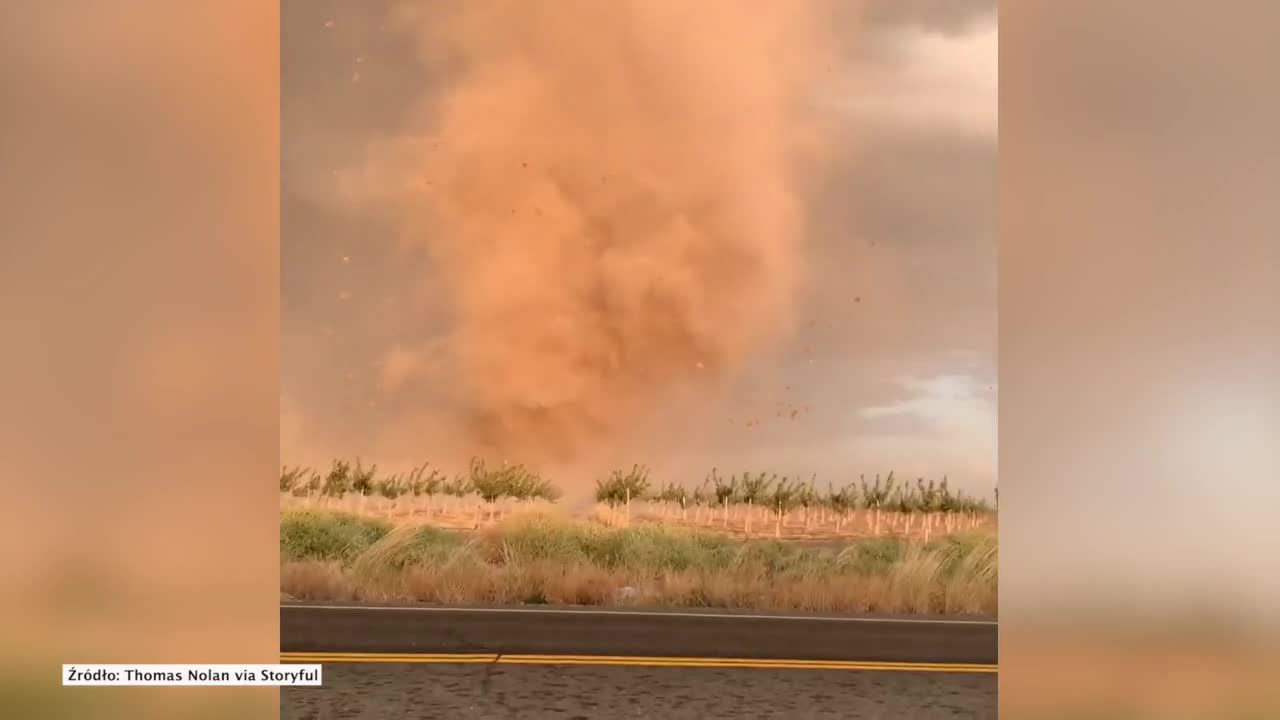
[627, 660]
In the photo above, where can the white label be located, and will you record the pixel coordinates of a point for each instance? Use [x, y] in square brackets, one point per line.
[232, 675]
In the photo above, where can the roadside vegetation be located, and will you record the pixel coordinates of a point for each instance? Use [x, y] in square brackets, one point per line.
[747, 504]
[484, 492]
[542, 558]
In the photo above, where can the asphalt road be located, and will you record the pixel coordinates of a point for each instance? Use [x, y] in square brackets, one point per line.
[429, 662]
[575, 631]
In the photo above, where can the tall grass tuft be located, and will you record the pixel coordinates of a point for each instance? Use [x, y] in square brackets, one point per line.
[311, 535]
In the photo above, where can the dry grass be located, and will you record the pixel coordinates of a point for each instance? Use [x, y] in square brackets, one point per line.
[539, 559]
[461, 514]
[441, 511]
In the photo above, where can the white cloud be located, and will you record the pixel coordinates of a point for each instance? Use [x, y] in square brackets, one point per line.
[959, 415]
[950, 402]
[935, 80]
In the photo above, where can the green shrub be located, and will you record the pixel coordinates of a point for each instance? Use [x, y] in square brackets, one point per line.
[308, 535]
[647, 548]
[765, 556]
[535, 538]
[871, 556]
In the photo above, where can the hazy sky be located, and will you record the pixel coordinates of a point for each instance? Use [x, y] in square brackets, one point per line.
[887, 357]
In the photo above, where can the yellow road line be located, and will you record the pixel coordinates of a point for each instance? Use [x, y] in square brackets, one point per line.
[634, 661]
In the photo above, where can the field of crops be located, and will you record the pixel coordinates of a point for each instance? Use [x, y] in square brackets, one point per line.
[746, 504]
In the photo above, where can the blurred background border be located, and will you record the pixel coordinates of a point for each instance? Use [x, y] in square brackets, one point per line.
[1139, 341]
[139, 193]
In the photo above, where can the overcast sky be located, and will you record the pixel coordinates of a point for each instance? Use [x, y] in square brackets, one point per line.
[891, 362]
